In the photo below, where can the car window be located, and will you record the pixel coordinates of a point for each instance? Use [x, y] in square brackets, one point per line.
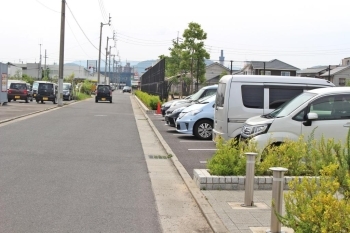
[45, 86]
[18, 86]
[332, 107]
[253, 96]
[220, 95]
[279, 95]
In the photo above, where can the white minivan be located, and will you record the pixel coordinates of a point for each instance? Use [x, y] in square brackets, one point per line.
[240, 97]
[321, 112]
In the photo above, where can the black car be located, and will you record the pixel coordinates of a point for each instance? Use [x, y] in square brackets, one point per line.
[103, 93]
[46, 92]
[67, 91]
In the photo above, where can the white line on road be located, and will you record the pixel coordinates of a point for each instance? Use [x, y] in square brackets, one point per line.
[202, 149]
[195, 141]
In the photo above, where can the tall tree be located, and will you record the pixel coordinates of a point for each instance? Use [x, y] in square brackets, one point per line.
[194, 53]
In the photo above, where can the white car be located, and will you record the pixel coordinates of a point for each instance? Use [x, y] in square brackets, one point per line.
[321, 112]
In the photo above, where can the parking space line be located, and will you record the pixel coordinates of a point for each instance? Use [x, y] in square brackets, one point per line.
[196, 141]
[202, 149]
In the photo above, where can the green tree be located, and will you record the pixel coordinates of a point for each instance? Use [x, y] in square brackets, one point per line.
[194, 53]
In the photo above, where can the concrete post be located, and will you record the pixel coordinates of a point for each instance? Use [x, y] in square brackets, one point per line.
[277, 197]
[249, 179]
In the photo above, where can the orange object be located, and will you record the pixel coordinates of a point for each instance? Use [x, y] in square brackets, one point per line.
[158, 109]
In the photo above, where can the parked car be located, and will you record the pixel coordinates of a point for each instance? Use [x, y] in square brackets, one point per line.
[103, 93]
[203, 92]
[30, 91]
[240, 97]
[18, 90]
[197, 119]
[172, 117]
[36, 86]
[47, 91]
[126, 89]
[323, 112]
[165, 106]
[67, 91]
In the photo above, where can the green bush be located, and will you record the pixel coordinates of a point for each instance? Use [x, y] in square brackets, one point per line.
[86, 88]
[151, 101]
[82, 96]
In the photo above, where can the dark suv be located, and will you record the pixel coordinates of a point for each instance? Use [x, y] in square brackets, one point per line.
[46, 92]
[103, 93]
[18, 91]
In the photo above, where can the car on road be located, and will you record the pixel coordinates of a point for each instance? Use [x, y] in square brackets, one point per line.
[67, 91]
[197, 119]
[47, 91]
[18, 90]
[30, 91]
[127, 89]
[103, 93]
[35, 87]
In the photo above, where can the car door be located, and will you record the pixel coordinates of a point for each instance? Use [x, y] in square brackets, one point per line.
[333, 118]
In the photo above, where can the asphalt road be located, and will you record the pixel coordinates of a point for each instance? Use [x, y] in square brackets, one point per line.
[79, 168]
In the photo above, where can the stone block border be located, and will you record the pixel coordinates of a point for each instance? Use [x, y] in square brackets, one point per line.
[205, 181]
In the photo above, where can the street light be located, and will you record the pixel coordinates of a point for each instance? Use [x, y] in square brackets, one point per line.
[99, 50]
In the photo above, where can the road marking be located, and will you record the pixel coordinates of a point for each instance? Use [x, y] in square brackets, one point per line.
[100, 115]
[196, 141]
[182, 134]
[202, 149]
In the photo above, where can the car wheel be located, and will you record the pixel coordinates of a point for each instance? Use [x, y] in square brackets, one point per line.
[54, 101]
[96, 100]
[9, 100]
[110, 101]
[203, 129]
[27, 99]
[31, 99]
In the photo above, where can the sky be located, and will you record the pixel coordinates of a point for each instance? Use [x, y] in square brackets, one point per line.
[301, 33]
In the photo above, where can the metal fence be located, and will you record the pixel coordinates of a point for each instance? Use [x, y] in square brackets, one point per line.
[153, 81]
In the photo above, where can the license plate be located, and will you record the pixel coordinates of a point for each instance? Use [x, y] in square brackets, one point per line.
[17, 97]
[103, 99]
[45, 98]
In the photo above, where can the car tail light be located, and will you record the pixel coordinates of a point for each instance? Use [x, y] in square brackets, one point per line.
[25, 92]
[9, 91]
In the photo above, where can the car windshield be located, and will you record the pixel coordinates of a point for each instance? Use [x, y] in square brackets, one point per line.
[290, 106]
[206, 99]
[18, 86]
[66, 86]
[196, 95]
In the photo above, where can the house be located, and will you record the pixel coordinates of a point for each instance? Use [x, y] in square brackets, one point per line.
[339, 75]
[273, 67]
[214, 71]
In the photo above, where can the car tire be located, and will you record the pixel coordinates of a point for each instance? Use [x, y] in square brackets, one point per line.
[27, 99]
[31, 99]
[203, 129]
[110, 100]
[96, 101]
[9, 100]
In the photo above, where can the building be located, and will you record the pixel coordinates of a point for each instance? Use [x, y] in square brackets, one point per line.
[273, 67]
[340, 76]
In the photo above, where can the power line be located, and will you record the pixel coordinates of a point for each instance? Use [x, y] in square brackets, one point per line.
[48, 7]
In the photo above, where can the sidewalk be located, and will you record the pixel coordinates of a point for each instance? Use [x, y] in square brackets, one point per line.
[222, 208]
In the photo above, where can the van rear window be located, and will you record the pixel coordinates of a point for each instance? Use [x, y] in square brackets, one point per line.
[253, 96]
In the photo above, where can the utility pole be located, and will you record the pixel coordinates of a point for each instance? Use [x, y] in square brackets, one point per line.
[109, 65]
[39, 65]
[99, 50]
[60, 66]
[231, 67]
[45, 73]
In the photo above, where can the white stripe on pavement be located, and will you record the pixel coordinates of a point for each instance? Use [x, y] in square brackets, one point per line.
[202, 149]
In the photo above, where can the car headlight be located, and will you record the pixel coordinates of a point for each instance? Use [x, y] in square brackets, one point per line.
[178, 110]
[249, 131]
[193, 112]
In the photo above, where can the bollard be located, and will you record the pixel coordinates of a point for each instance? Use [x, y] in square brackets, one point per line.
[249, 179]
[277, 197]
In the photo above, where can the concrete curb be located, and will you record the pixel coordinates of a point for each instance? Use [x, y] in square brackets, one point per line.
[213, 219]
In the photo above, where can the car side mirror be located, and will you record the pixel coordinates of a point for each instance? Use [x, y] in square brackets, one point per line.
[309, 117]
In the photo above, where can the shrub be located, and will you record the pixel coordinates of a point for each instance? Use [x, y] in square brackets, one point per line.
[151, 101]
[314, 205]
[82, 96]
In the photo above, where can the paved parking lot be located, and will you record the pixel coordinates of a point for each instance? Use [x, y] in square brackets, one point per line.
[191, 152]
[20, 108]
